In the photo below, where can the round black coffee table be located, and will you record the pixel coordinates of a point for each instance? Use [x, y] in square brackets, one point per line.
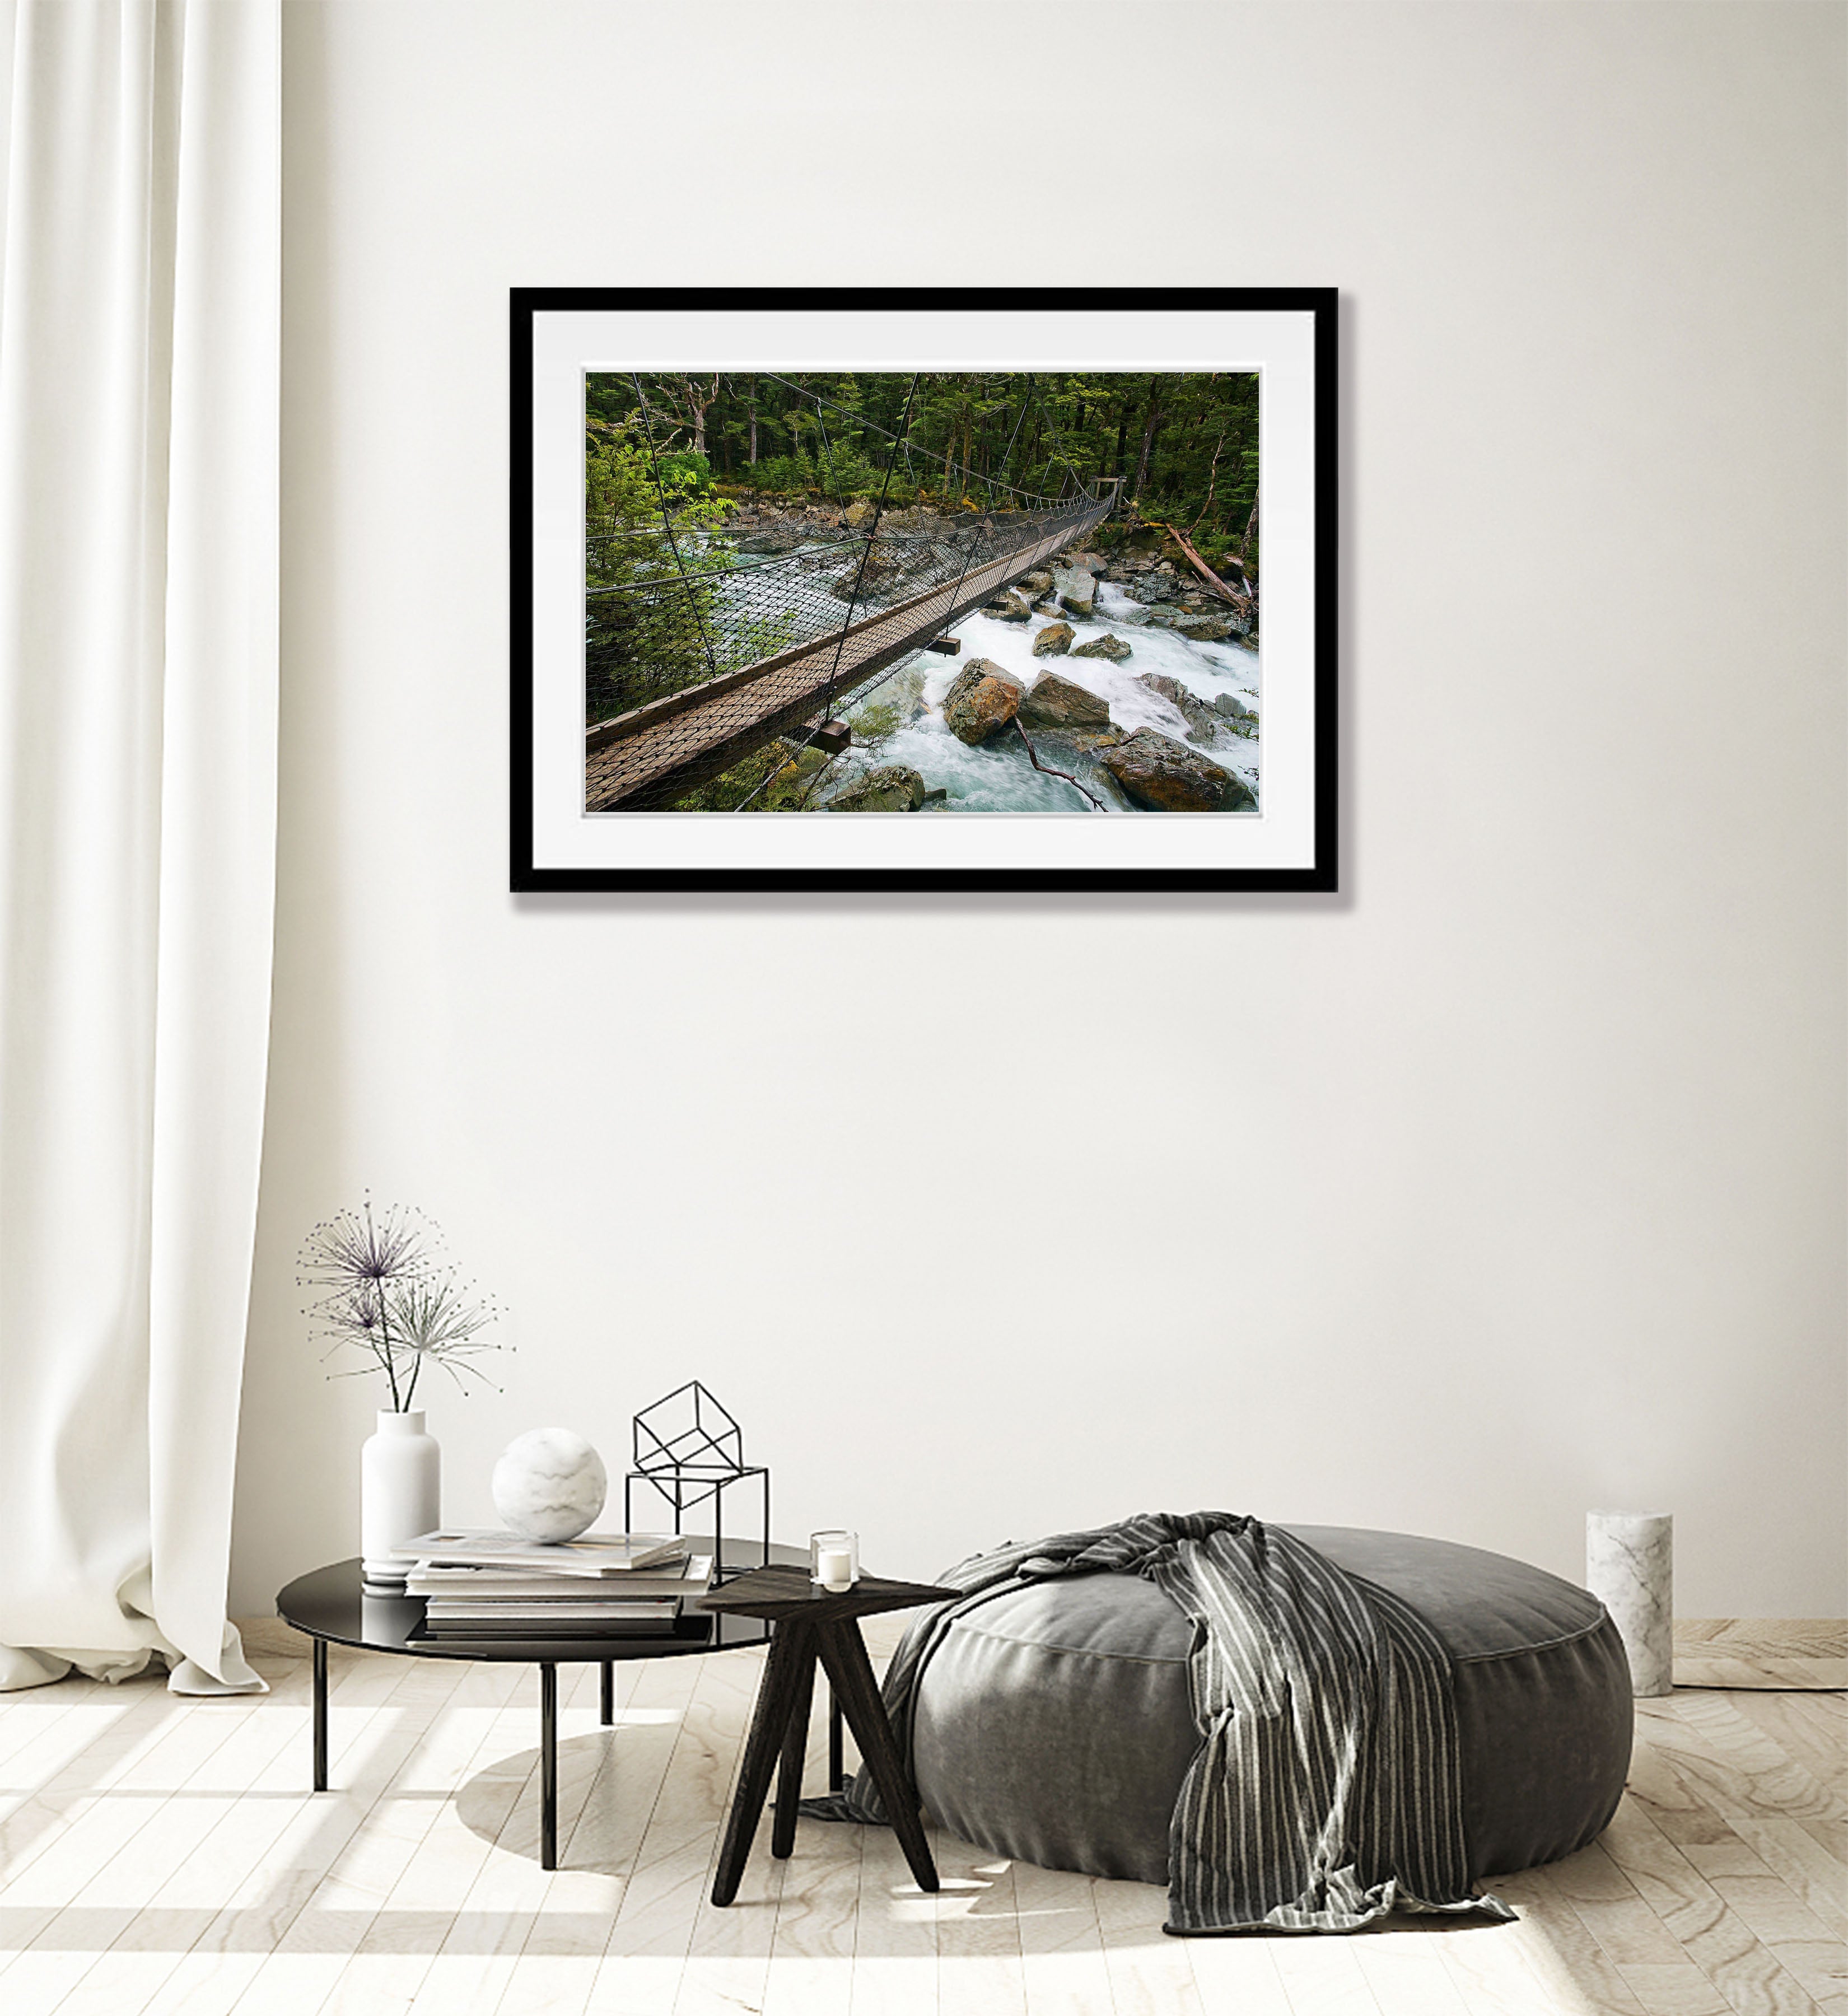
[331, 1605]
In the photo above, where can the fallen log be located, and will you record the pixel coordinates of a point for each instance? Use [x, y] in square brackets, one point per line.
[1243, 603]
[1046, 770]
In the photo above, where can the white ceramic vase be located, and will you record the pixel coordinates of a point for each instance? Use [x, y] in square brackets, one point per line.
[401, 1474]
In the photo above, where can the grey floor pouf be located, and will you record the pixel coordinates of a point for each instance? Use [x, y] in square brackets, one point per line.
[1054, 1724]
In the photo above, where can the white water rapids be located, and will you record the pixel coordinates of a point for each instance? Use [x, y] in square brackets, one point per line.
[997, 776]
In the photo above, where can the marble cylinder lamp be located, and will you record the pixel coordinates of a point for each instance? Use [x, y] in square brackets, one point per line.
[1630, 1567]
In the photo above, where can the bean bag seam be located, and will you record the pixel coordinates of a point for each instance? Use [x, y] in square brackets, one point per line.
[1521, 1652]
[1069, 1651]
[1156, 1659]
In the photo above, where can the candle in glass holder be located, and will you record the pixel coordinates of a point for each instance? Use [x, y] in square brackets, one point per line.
[834, 1560]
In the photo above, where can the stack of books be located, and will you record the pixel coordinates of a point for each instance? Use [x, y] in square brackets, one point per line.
[489, 1586]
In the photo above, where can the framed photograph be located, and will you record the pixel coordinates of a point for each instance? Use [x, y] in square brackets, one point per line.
[1019, 589]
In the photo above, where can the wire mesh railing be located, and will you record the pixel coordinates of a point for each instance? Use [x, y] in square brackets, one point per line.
[673, 619]
[648, 758]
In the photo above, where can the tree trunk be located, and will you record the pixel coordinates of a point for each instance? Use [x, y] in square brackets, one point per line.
[699, 408]
[1250, 527]
[1148, 436]
[753, 419]
[1212, 477]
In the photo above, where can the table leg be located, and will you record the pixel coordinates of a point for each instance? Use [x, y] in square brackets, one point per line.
[850, 1673]
[320, 1715]
[837, 1762]
[606, 1709]
[792, 1656]
[548, 1764]
[795, 1751]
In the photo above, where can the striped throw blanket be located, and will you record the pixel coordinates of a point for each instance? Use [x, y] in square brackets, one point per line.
[1327, 1790]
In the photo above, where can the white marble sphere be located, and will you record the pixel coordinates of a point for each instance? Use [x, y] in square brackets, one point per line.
[550, 1484]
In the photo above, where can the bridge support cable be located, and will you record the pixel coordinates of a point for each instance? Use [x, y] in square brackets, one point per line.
[1073, 480]
[866, 551]
[1007, 452]
[667, 521]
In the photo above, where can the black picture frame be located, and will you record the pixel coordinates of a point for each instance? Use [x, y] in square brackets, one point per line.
[1316, 873]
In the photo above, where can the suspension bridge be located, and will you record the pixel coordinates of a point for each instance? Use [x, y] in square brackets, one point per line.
[785, 638]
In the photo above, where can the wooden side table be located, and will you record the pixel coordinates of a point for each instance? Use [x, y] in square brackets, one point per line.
[810, 1624]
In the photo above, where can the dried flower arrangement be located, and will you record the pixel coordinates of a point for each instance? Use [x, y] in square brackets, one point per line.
[387, 1290]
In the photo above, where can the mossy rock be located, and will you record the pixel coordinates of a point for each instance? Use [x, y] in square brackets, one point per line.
[894, 787]
[1161, 775]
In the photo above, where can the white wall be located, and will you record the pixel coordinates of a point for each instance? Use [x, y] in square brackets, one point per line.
[1509, 1183]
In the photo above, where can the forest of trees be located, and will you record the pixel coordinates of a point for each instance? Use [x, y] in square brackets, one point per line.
[1185, 443]
[669, 457]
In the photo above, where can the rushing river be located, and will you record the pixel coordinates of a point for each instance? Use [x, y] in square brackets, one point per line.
[997, 776]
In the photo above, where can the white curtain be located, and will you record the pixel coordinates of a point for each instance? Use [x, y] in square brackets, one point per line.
[140, 380]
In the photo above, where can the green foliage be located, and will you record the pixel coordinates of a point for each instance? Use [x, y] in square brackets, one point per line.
[834, 472]
[845, 472]
[742, 788]
[686, 472]
[625, 488]
[972, 435]
[778, 474]
[642, 640]
[874, 721]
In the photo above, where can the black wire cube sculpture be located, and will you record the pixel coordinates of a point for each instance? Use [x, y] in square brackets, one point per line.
[688, 1449]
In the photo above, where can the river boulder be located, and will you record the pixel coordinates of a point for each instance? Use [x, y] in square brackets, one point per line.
[874, 577]
[1161, 775]
[1231, 706]
[1206, 629]
[858, 512]
[1009, 607]
[894, 787]
[1076, 590]
[1106, 646]
[1053, 641]
[1037, 582]
[982, 699]
[1193, 710]
[772, 539]
[1055, 702]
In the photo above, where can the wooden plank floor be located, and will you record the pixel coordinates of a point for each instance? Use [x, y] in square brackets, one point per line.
[161, 1857]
